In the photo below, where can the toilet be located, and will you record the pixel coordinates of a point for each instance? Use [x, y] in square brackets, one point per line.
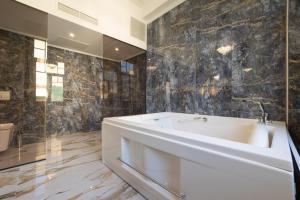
[6, 135]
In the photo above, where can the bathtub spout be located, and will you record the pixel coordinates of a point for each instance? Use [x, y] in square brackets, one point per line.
[264, 114]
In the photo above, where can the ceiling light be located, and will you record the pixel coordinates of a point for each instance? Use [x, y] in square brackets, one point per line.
[72, 35]
[116, 49]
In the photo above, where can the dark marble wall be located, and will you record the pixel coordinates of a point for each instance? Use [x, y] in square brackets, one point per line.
[216, 57]
[17, 74]
[93, 89]
[80, 109]
[294, 70]
[86, 99]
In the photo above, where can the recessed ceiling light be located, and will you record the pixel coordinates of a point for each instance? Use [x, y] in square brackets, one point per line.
[116, 49]
[72, 35]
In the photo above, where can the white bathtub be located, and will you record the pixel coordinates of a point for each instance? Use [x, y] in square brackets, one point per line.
[185, 156]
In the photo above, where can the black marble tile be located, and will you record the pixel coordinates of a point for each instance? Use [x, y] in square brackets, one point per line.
[214, 100]
[80, 109]
[94, 89]
[225, 52]
[182, 101]
[17, 75]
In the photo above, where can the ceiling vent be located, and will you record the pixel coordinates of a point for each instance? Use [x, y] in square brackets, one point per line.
[137, 29]
[76, 13]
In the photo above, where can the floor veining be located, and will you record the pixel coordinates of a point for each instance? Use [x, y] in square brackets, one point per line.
[73, 170]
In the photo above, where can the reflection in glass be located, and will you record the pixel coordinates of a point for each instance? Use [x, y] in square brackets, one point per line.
[41, 86]
[57, 92]
[125, 71]
[61, 68]
[40, 66]
[23, 74]
[41, 75]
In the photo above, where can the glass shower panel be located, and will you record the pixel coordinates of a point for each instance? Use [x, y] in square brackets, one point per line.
[124, 73]
[23, 35]
[74, 75]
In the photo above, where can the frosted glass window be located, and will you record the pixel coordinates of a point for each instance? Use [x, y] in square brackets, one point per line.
[40, 67]
[123, 66]
[39, 44]
[57, 93]
[41, 92]
[39, 53]
[130, 68]
[41, 84]
[127, 67]
[61, 68]
[41, 79]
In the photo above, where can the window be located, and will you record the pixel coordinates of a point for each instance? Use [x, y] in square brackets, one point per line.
[57, 92]
[127, 67]
[41, 85]
[61, 68]
[40, 48]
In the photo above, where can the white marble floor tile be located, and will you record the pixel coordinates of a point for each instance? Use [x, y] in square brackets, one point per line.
[73, 170]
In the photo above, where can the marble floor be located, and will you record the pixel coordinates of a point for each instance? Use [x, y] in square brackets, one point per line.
[73, 170]
[14, 156]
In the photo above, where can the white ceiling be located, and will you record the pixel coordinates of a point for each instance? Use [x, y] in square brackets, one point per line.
[152, 9]
[139, 3]
[84, 40]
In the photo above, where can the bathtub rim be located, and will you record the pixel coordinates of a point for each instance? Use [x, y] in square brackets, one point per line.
[278, 156]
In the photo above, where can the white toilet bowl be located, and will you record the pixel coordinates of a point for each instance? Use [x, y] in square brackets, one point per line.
[6, 133]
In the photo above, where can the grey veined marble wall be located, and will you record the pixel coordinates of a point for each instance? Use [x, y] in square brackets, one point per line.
[17, 75]
[294, 70]
[217, 57]
[79, 109]
[93, 88]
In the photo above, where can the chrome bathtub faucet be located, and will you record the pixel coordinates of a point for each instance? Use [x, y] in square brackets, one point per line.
[264, 115]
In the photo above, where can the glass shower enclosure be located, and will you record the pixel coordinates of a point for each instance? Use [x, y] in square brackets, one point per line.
[23, 84]
[59, 78]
